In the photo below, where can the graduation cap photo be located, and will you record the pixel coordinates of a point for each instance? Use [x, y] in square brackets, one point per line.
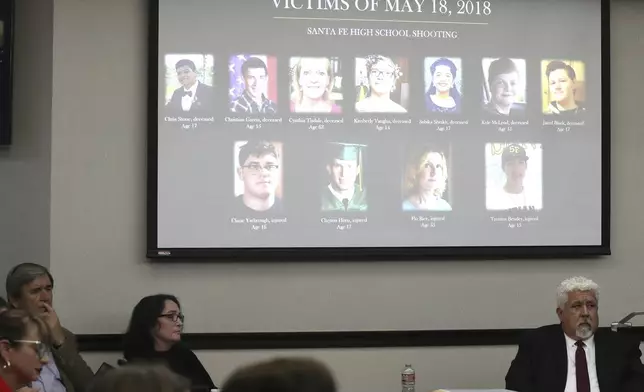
[345, 189]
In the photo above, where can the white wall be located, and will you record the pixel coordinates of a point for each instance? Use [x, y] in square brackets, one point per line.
[25, 167]
[97, 230]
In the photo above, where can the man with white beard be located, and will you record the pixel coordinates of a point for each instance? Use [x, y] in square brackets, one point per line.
[574, 356]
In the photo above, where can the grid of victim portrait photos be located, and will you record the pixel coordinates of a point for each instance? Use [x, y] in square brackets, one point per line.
[316, 93]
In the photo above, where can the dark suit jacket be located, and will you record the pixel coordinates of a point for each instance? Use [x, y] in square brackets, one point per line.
[541, 364]
[202, 106]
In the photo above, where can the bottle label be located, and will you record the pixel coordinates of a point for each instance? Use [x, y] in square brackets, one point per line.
[409, 378]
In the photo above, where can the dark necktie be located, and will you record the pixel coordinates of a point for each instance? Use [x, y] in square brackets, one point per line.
[581, 368]
[188, 93]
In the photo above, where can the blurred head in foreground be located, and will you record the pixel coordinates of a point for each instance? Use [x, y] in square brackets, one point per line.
[139, 378]
[282, 375]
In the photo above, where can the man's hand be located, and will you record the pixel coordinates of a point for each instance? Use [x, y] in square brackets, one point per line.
[51, 319]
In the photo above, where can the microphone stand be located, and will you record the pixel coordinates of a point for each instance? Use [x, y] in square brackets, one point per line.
[624, 323]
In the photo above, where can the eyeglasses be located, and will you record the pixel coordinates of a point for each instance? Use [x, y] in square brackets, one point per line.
[378, 73]
[39, 347]
[256, 167]
[174, 317]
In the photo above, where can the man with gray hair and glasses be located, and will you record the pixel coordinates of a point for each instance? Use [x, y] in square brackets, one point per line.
[29, 287]
[574, 356]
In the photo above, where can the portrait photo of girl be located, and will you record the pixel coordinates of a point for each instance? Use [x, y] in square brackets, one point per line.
[381, 85]
[443, 84]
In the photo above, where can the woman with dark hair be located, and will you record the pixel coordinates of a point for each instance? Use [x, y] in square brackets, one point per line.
[3, 304]
[139, 378]
[22, 352]
[154, 335]
[442, 95]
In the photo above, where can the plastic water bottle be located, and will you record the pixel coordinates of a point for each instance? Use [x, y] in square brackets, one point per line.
[408, 377]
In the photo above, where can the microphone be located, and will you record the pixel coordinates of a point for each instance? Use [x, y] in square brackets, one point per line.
[345, 203]
[624, 323]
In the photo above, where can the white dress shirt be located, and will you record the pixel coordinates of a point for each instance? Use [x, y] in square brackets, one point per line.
[341, 196]
[49, 379]
[187, 100]
[571, 348]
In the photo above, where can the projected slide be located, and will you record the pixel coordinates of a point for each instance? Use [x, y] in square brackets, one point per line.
[334, 124]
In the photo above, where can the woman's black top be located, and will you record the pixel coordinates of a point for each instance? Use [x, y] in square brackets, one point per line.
[183, 362]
